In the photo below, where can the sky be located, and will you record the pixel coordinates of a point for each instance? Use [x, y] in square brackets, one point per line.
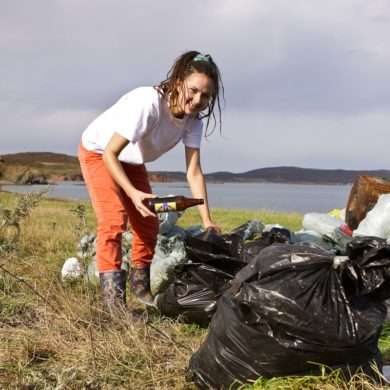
[307, 83]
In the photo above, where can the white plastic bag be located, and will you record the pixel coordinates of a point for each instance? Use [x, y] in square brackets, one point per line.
[377, 221]
[321, 223]
[71, 269]
[169, 253]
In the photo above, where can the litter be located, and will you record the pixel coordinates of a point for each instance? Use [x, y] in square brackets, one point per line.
[321, 223]
[210, 264]
[278, 302]
[169, 253]
[71, 269]
[294, 308]
[363, 196]
[377, 221]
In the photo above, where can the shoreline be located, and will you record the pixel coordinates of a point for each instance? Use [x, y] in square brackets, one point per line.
[10, 183]
[253, 196]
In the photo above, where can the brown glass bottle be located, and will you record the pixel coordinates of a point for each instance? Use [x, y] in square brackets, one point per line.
[171, 203]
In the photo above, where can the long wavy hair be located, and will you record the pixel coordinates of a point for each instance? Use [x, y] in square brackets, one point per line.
[181, 69]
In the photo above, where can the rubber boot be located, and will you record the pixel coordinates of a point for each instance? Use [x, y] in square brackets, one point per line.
[113, 288]
[140, 285]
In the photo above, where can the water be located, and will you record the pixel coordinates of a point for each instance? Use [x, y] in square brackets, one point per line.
[301, 198]
[386, 372]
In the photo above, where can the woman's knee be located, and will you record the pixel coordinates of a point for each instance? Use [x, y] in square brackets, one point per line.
[147, 230]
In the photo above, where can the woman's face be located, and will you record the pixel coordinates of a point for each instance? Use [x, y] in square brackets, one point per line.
[195, 93]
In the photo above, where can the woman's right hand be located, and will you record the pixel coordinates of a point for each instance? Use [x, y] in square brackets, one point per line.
[138, 198]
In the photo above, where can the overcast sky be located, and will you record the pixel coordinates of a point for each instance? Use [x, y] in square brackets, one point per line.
[307, 83]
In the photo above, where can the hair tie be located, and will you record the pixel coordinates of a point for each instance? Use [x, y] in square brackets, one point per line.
[201, 57]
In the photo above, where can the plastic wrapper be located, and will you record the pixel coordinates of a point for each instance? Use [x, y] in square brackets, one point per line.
[292, 309]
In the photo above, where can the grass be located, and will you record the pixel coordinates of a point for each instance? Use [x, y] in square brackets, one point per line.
[56, 336]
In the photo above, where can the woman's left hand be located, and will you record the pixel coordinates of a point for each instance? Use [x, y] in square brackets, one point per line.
[212, 226]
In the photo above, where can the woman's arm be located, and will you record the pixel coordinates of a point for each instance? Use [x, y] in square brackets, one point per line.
[114, 166]
[197, 185]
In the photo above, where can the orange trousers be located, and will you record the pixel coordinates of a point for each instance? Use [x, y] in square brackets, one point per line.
[114, 209]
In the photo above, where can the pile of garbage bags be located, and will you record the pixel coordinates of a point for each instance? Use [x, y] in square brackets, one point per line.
[294, 307]
[198, 282]
[276, 302]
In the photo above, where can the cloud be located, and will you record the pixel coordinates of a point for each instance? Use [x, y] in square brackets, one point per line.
[306, 83]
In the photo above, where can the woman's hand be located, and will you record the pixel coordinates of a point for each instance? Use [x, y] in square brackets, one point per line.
[210, 225]
[138, 197]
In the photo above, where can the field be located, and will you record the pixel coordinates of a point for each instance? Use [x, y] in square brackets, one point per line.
[56, 336]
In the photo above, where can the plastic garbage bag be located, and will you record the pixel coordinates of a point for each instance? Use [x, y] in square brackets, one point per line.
[312, 239]
[274, 235]
[363, 197]
[289, 309]
[321, 223]
[370, 267]
[377, 221]
[338, 239]
[167, 221]
[212, 262]
[193, 294]
[87, 246]
[220, 251]
[71, 269]
[249, 230]
[169, 253]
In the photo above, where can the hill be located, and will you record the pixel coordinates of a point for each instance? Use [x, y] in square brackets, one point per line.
[297, 175]
[44, 167]
[39, 168]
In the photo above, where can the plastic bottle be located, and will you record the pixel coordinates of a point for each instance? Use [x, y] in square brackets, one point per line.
[171, 203]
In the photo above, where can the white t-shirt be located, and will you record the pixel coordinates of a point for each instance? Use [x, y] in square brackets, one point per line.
[143, 117]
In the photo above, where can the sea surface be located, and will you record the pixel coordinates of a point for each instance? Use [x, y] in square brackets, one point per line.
[300, 198]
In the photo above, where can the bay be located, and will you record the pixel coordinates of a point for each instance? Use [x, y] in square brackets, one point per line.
[300, 198]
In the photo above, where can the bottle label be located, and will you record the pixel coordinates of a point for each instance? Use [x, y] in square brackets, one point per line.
[164, 207]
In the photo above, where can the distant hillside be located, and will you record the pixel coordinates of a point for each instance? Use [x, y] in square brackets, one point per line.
[297, 175]
[30, 168]
[39, 168]
[38, 157]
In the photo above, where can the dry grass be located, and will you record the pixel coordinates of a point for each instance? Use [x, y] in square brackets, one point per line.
[56, 336]
[64, 339]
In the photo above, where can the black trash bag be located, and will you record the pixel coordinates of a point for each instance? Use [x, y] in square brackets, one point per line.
[193, 294]
[287, 312]
[369, 272]
[249, 230]
[209, 246]
[275, 235]
[213, 260]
